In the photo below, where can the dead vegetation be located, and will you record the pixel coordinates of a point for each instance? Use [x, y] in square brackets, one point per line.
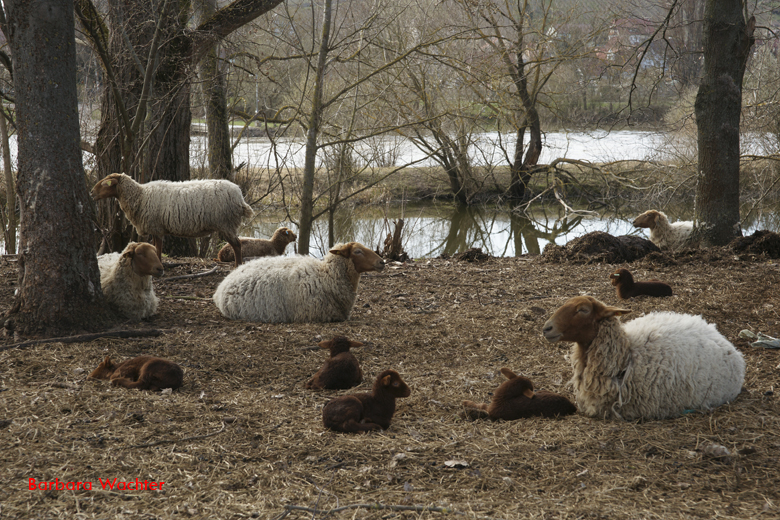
[243, 438]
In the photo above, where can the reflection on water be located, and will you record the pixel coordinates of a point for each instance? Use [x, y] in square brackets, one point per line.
[436, 229]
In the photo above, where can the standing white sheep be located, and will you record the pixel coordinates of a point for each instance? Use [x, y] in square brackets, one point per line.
[665, 235]
[126, 279]
[297, 289]
[654, 367]
[184, 209]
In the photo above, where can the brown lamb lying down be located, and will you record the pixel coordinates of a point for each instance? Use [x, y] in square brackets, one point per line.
[366, 412]
[341, 370]
[516, 399]
[626, 287]
[259, 246]
[142, 372]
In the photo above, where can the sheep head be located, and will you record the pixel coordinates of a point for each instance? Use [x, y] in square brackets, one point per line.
[520, 382]
[339, 344]
[621, 275]
[107, 187]
[578, 320]
[103, 370]
[390, 382]
[143, 259]
[284, 234]
[362, 257]
[648, 219]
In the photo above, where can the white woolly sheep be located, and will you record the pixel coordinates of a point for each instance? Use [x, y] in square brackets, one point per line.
[260, 246]
[665, 235]
[183, 209]
[126, 279]
[281, 289]
[654, 367]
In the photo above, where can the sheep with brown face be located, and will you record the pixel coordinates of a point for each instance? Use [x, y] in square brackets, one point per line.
[341, 370]
[297, 289]
[126, 279]
[260, 246]
[516, 399]
[626, 287]
[654, 367]
[142, 372]
[366, 412]
[184, 209]
[665, 235]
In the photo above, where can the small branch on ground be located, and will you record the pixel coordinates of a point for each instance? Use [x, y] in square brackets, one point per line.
[195, 275]
[83, 338]
[185, 439]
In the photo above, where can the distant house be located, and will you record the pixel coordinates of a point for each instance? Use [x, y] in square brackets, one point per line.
[626, 40]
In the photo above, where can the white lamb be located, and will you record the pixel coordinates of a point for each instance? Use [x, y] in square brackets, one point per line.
[184, 209]
[126, 279]
[260, 246]
[665, 235]
[654, 367]
[280, 289]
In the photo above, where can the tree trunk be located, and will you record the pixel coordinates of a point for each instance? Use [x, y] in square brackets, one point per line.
[727, 42]
[59, 281]
[10, 187]
[315, 119]
[215, 95]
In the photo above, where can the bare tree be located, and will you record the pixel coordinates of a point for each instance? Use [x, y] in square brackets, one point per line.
[59, 282]
[728, 38]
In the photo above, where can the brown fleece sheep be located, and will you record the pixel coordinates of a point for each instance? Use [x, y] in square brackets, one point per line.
[142, 372]
[516, 399]
[366, 412]
[626, 287]
[260, 246]
[341, 370]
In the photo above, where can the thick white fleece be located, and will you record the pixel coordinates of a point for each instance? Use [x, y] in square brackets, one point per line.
[290, 289]
[670, 236]
[656, 367]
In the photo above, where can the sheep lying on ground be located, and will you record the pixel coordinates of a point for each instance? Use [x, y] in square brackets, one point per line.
[653, 367]
[142, 372]
[516, 399]
[663, 234]
[297, 289]
[126, 279]
[341, 370]
[259, 246]
[365, 412]
[184, 209]
[626, 287]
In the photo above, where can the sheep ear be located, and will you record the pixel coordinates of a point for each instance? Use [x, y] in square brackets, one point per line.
[387, 380]
[325, 343]
[608, 312]
[508, 373]
[355, 344]
[343, 251]
[529, 393]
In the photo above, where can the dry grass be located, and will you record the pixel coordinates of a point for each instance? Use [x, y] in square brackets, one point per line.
[243, 439]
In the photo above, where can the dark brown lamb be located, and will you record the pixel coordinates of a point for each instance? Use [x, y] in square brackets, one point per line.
[260, 246]
[366, 412]
[626, 287]
[142, 372]
[341, 370]
[516, 399]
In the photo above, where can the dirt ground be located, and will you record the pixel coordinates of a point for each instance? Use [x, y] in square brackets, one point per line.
[243, 438]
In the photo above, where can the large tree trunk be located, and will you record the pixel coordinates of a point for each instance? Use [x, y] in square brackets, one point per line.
[727, 42]
[59, 281]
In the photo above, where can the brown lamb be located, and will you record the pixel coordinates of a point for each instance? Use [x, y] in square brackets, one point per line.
[626, 287]
[516, 399]
[142, 372]
[341, 370]
[366, 412]
[260, 246]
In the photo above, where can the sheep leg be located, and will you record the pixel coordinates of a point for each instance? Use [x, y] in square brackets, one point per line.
[235, 243]
[157, 242]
